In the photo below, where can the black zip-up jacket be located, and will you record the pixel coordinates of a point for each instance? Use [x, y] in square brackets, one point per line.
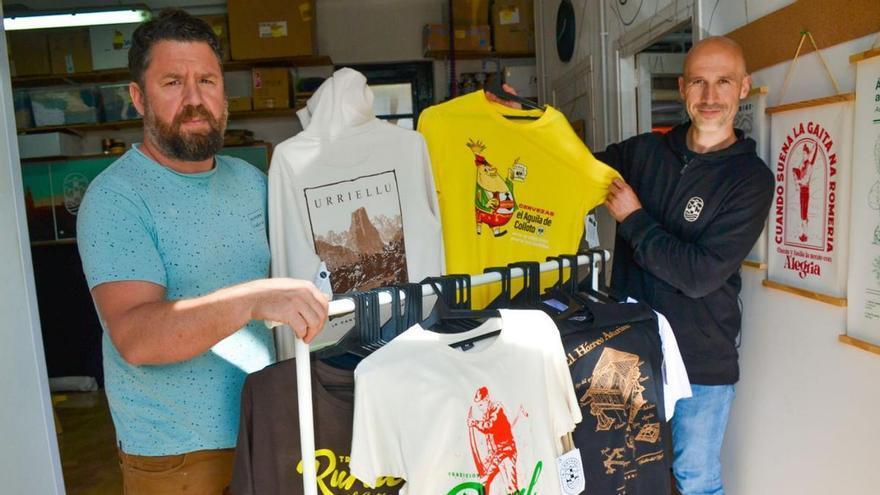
[681, 253]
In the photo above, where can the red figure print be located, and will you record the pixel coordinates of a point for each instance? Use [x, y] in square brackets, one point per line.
[492, 443]
[802, 176]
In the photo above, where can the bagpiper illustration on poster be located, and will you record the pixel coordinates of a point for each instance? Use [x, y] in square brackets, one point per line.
[810, 145]
[751, 118]
[863, 308]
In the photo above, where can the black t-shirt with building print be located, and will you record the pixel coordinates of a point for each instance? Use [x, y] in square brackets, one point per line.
[615, 357]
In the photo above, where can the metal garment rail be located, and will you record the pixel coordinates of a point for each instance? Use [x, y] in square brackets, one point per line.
[343, 306]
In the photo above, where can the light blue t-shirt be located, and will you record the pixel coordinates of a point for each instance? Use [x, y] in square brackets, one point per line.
[192, 234]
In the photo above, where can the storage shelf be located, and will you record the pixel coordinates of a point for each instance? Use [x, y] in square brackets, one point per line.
[122, 75]
[127, 124]
[100, 76]
[89, 156]
[53, 242]
[43, 159]
[475, 55]
[301, 61]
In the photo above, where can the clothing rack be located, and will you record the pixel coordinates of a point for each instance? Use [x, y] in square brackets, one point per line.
[344, 306]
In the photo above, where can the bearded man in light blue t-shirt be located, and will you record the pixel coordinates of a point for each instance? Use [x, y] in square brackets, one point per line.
[174, 248]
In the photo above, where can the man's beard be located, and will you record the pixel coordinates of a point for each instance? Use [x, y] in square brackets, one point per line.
[711, 125]
[188, 147]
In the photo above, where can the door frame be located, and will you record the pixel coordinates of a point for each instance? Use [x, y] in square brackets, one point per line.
[30, 461]
[641, 36]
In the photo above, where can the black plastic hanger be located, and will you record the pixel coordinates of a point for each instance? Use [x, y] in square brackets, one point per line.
[564, 292]
[444, 319]
[351, 348]
[453, 291]
[495, 88]
[530, 295]
[600, 293]
[503, 299]
[370, 328]
[412, 305]
[462, 291]
[394, 326]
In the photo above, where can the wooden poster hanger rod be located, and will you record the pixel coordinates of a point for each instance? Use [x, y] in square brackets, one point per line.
[804, 35]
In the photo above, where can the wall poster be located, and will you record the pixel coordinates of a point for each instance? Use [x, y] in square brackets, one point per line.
[863, 287]
[751, 118]
[810, 146]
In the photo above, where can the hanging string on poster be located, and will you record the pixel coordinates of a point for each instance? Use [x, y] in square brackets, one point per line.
[810, 146]
[751, 118]
[863, 283]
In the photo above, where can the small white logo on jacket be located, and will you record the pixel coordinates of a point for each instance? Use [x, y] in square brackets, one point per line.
[693, 209]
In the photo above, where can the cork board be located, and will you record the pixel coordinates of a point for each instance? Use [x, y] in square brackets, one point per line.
[774, 38]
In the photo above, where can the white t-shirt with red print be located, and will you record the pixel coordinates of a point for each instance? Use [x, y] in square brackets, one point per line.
[450, 421]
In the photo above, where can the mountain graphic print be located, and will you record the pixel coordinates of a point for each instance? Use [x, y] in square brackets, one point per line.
[357, 228]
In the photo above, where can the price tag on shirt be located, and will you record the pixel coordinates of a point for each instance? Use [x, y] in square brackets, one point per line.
[571, 472]
[322, 281]
[591, 230]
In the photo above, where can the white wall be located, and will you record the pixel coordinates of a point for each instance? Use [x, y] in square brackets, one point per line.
[29, 460]
[723, 16]
[805, 417]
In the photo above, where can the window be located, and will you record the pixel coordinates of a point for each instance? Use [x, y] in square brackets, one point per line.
[400, 90]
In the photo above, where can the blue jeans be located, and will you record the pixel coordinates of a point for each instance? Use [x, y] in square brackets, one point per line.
[697, 433]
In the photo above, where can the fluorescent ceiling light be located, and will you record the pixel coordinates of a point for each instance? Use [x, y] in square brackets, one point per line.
[73, 20]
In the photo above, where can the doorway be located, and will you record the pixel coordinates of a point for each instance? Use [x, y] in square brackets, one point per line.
[653, 104]
[659, 65]
[29, 460]
[648, 58]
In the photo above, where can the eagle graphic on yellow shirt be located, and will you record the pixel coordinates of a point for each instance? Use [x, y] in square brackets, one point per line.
[494, 199]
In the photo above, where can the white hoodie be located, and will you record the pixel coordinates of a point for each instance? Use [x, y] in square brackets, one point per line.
[353, 192]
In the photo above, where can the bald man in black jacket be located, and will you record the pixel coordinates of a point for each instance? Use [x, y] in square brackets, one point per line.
[692, 206]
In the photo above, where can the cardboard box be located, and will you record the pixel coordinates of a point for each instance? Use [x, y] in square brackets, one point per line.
[466, 13]
[30, 53]
[277, 28]
[271, 87]
[116, 102]
[238, 83]
[110, 45]
[475, 38]
[239, 103]
[513, 26]
[70, 50]
[65, 105]
[220, 27]
[49, 144]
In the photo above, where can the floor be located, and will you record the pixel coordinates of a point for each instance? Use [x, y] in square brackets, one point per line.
[87, 444]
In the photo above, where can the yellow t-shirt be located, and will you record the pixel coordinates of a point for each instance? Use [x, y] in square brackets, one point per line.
[509, 189]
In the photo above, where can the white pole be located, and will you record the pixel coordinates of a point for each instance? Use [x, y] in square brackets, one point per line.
[306, 421]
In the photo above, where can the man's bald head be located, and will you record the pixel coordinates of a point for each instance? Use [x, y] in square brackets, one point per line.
[713, 47]
[713, 82]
